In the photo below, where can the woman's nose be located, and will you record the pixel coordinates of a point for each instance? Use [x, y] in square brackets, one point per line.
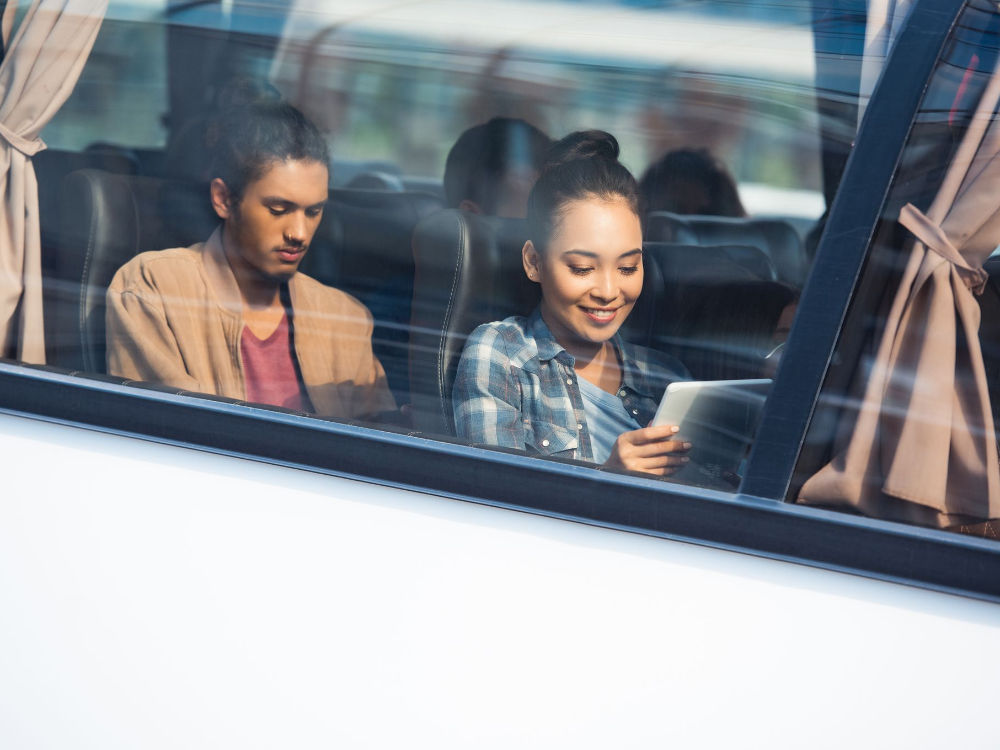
[605, 288]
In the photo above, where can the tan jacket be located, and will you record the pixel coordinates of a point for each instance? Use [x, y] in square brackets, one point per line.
[175, 318]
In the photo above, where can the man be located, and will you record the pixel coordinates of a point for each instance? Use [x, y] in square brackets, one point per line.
[233, 316]
[492, 167]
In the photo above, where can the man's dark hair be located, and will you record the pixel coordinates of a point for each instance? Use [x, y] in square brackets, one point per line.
[255, 136]
[484, 154]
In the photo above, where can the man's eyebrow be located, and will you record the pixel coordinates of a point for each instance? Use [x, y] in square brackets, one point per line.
[275, 199]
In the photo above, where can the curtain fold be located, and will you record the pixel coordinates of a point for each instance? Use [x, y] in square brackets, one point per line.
[43, 61]
[922, 447]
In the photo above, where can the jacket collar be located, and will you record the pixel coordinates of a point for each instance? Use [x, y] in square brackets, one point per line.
[220, 275]
[223, 281]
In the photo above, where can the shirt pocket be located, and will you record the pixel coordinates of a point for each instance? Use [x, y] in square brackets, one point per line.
[550, 439]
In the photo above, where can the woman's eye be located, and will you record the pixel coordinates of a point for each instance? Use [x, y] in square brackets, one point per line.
[276, 210]
[312, 213]
[580, 270]
[628, 270]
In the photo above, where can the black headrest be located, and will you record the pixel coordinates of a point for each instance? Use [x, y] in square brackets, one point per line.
[376, 181]
[687, 269]
[51, 168]
[106, 220]
[365, 237]
[777, 239]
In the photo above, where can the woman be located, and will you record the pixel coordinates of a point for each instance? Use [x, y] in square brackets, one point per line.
[562, 381]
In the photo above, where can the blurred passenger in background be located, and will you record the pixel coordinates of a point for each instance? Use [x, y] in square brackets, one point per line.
[736, 330]
[233, 316]
[691, 181]
[492, 167]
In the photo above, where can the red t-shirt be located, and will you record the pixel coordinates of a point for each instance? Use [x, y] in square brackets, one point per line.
[270, 373]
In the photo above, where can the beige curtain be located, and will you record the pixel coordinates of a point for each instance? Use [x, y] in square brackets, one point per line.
[923, 447]
[42, 64]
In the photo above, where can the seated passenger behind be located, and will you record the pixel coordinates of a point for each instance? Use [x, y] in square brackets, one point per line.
[562, 381]
[736, 330]
[691, 181]
[492, 167]
[232, 316]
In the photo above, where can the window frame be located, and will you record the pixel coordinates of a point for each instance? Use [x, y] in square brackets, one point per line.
[755, 520]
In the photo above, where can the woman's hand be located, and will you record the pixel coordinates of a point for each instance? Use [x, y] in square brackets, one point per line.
[652, 450]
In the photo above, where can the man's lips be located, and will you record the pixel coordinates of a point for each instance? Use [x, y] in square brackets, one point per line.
[291, 253]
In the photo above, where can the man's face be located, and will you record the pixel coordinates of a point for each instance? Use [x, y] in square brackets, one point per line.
[272, 224]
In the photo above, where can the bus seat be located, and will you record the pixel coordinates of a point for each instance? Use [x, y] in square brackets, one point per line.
[106, 220]
[777, 239]
[687, 272]
[363, 246]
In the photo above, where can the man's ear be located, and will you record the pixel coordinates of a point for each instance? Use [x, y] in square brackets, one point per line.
[222, 199]
[471, 206]
[531, 261]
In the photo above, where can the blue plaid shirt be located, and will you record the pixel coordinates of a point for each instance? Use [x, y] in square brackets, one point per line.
[516, 388]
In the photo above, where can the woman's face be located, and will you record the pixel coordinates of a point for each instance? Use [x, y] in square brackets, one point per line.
[591, 272]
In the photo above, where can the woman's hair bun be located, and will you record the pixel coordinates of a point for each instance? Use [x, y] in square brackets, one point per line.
[582, 165]
[583, 144]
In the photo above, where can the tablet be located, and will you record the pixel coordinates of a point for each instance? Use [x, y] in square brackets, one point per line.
[719, 419]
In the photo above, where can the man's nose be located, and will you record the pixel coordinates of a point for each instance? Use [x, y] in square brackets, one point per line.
[296, 229]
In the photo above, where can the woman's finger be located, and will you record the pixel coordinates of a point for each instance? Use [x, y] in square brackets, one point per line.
[649, 434]
[660, 462]
[660, 448]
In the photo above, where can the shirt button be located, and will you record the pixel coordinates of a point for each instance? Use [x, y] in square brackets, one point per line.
[569, 381]
[579, 426]
[622, 393]
[635, 411]
[545, 443]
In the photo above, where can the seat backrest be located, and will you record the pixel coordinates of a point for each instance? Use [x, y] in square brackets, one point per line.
[777, 239]
[363, 246]
[51, 168]
[686, 270]
[469, 272]
[106, 220]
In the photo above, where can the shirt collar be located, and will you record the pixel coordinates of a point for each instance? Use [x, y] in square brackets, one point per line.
[546, 344]
[634, 364]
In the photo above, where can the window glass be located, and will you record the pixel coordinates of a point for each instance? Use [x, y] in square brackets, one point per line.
[905, 429]
[358, 264]
[121, 97]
